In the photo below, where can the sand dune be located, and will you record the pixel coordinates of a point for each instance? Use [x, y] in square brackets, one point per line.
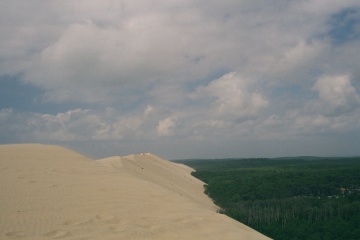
[48, 192]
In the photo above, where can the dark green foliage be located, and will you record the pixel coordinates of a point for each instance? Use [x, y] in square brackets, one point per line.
[287, 198]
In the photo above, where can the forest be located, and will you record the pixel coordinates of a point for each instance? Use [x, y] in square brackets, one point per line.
[287, 198]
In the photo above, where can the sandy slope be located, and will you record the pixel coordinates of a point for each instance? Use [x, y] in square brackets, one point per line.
[48, 192]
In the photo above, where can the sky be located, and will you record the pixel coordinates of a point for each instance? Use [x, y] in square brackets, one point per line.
[182, 79]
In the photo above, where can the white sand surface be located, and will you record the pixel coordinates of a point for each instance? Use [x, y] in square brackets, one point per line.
[49, 192]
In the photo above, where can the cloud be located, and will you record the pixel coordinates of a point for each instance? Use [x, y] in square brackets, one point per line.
[86, 64]
[107, 50]
[300, 60]
[182, 71]
[336, 95]
[232, 97]
[166, 126]
[75, 125]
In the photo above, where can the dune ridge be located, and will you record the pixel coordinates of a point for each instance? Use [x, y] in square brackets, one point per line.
[171, 176]
[49, 192]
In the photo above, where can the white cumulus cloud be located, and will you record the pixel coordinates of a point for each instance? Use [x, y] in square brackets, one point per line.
[231, 97]
[166, 126]
[336, 94]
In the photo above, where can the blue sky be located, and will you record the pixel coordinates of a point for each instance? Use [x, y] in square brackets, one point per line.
[182, 79]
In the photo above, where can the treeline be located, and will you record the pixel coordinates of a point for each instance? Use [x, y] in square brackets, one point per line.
[282, 211]
[287, 198]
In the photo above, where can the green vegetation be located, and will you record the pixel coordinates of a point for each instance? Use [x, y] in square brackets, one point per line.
[287, 198]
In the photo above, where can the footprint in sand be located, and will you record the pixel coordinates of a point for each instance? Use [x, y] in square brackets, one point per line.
[56, 234]
[17, 234]
[105, 218]
[117, 229]
[76, 222]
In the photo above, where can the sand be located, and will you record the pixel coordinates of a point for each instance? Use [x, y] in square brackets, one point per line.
[49, 192]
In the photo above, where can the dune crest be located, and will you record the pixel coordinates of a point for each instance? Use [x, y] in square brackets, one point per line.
[49, 192]
[171, 176]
